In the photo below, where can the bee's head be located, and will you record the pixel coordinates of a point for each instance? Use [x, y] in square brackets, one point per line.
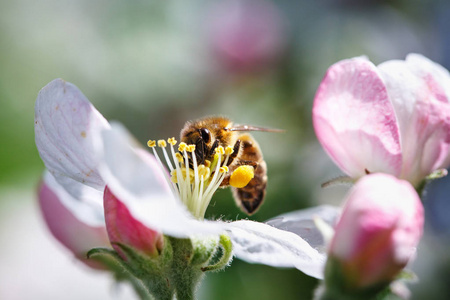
[200, 137]
[204, 135]
[202, 143]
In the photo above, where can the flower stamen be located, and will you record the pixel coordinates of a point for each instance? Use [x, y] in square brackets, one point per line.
[194, 184]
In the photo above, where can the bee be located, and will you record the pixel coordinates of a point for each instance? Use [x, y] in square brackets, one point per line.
[211, 132]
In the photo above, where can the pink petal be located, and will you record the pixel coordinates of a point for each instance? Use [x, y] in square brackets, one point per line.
[379, 230]
[66, 128]
[420, 93]
[124, 228]
[355, 121]
[77, 223]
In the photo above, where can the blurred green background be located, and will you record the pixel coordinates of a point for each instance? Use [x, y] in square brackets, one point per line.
[153, 65]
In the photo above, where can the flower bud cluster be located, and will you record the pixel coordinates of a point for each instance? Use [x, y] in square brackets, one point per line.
[388, 128]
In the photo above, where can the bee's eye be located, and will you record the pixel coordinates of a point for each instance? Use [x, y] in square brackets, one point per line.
[206, 136]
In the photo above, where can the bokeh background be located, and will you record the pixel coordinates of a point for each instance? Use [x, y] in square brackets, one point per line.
[153, 65]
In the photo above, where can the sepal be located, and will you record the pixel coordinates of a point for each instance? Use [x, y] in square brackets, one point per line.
[149, 276]
[223, 255]
[122, 272]
[203, 250]
[339, 287]
[437, 174]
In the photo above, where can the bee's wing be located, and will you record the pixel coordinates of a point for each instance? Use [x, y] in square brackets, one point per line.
[253, 128]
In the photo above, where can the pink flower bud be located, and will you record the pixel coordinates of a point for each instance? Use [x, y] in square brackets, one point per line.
[378, 232]
[73, 222]
[125, 229]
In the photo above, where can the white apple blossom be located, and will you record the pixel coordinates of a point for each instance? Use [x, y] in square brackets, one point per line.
[80, 148]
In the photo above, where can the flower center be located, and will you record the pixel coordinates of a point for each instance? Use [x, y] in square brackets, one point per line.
[194, 184]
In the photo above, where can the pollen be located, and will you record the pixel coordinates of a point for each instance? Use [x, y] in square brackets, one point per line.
[182, 146]
[151, 143]
[229, 150]
[192, 181]
[172, 141]
[242, 176]
[190, 172]
[174, 176]
[162, 143]
[179, 157]
[203, 171]
[219, 150]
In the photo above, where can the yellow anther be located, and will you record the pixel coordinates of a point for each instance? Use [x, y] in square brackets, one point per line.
[229, 150]
[174, 177]
[207, 163]
[172, 141]
[162, 143]
[242, 176]
[220, 150]
[203, 171]
[182, 146]
[190, 148]
[190, 171]
[179, 157]
[223, 169]
[151, 143]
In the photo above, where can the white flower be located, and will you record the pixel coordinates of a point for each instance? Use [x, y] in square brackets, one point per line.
[78, 145]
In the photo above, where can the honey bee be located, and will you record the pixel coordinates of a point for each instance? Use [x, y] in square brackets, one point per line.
[209, 133]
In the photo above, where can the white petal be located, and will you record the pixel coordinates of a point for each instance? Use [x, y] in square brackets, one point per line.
[135, 177]
[419, 90]
[301, 222]
[88, 208]
[66, 127]
[261, 243]
[424, 67]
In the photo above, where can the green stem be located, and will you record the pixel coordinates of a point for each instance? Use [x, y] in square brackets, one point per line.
[185, 277]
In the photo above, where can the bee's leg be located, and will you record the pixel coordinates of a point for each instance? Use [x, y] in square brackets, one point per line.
[236, 149]
[252, 163]
[250, 197]
[190, 161]
[200, 151]
[226, 180]
[213, 147]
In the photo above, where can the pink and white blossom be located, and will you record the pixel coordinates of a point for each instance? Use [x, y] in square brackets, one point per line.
[378, 231]
[77, 223]
[81, 149]
[123, 228]
[392, 118]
